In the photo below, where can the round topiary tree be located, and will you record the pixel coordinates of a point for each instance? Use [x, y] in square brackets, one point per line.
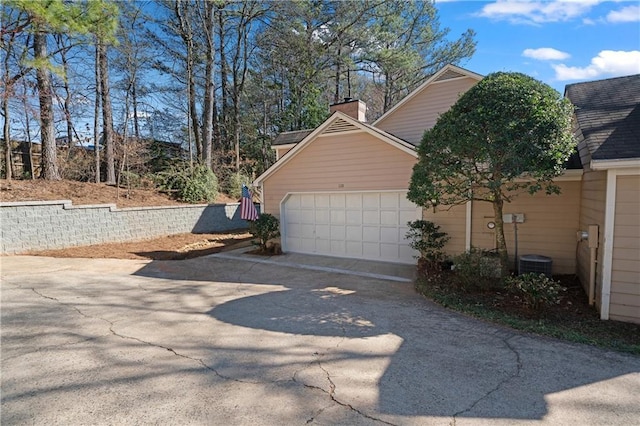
[507, 127]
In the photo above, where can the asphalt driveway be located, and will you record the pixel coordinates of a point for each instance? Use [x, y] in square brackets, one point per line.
[238, 340]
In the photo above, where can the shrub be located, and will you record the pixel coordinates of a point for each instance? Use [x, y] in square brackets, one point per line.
[190, 185]
[478, 269]
[232, 184]
[130, 179]
[265, 228]
[536, 290]
[427, 239]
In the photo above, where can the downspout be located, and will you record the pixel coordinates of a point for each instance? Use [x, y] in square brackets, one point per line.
[593, 247]
[468, 217]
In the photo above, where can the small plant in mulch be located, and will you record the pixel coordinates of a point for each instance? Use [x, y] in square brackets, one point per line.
[426, 238]
[478, 269]
[537, 290]
[265, 228]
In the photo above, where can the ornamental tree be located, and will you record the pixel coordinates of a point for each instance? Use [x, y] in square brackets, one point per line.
[507, 135]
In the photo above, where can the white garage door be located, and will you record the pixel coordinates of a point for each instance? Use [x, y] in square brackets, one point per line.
[363, 225]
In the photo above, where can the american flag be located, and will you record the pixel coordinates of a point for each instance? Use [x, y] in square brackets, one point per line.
[247, 209]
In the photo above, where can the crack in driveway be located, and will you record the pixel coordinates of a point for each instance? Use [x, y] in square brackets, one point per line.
[500, 384]
[330, 393]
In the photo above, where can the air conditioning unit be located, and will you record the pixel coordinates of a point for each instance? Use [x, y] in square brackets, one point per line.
[534, 263]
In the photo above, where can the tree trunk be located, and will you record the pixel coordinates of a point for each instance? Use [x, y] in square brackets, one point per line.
[27, 125]
[207, 125]
[49, 160]
[107, 115]
[96, 118]
[501, 242]
[7, 135]
[223, 121]
[134, 101]
[181, 10]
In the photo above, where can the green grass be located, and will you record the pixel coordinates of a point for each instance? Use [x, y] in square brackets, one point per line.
[572, 321]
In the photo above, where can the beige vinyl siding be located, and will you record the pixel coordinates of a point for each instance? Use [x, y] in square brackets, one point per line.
[422, 111]
[354, 162]
[550, 226]
[280, 152]
[453, 222]
[592, 208]
[625, 275]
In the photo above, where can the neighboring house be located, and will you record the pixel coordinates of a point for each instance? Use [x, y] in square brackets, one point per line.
[340, 189]
[607, 122]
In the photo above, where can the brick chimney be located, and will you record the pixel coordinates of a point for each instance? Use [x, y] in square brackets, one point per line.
[352, 107]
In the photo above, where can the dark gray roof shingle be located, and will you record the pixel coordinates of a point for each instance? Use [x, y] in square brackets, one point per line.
[286, 138]
[608, 113]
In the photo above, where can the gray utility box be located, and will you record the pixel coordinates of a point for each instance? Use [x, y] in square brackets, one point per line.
[534, 263]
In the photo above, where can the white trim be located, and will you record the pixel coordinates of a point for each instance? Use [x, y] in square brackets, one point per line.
[570, 175]
[467, 230]
[262, 198]
[430, 80]
[284, 145]
[607, 255]
[337, 115]
[615, 164]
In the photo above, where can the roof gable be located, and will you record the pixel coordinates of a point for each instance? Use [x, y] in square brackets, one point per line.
[448, 72]
[608, 116]
[338, 123]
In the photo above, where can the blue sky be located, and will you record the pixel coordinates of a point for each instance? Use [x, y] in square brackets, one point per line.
[557, 42]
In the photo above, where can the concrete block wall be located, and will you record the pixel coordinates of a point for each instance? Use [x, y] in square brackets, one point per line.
[43, 225]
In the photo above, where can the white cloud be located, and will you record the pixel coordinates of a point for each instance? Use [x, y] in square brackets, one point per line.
[537, 12]
[626, 14]
[545, 54]
[608, 63]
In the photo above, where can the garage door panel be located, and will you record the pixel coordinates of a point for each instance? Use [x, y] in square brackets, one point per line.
[388, 217]
[389, 200]
[322, 232]
[389, 235]
[322, 246]
[371, 250]
[354, 233]
[338, 247]
[371, 217]
[337, 232]
[337, 216]
[407, 216]
[353, 201]
[322, 217]
[371, 233]
[307, 201]
[322, 201]
[337, 201]
[370, 201]
[365, 225]
[354, 249]
[354, 217]
[307, 216]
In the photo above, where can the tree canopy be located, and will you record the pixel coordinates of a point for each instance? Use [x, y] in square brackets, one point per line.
[506, 135]
[221, 78]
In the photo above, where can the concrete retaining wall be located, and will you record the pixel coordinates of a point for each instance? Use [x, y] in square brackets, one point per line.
[42, 225]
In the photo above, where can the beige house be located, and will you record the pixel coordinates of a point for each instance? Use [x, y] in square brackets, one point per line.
[607, 121]
[340, 190]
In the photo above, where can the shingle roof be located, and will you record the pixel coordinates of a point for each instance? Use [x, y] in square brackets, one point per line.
[608, 113]
[286, 138]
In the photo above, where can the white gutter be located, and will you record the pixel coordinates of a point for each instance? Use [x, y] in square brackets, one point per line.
[615, 164]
